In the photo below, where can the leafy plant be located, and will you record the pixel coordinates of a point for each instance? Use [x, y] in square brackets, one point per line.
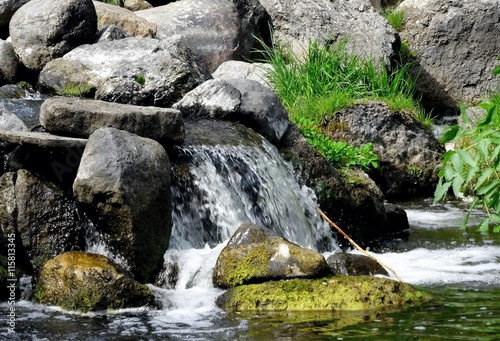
[140, 79]
[473, 167]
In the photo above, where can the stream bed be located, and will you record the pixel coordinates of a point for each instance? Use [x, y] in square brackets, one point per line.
[461, 269]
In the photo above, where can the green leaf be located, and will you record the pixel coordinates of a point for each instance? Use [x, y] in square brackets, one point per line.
[484, 225]
[441, 190]
[485, 174]
[466, 157]
[483, 146]
[449, 134]
[465, 116]
[457, 184]
[471, 172]
[489, 187]
[458, 162]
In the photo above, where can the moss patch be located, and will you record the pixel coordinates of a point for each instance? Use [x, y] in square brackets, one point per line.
[331, 293]
[76, 90]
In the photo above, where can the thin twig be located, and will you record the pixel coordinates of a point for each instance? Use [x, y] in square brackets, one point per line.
[356, 245]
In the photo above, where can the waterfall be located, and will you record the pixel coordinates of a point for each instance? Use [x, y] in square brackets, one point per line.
[224, 175]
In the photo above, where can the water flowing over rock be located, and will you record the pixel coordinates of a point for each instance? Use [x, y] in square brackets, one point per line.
[44, 30]
[89, 282]
[408, 153]
[83, 116]
[298, 22]
[239, 100]
[256, 254]
[348, 264]
[146, 72]
[125, 181]
[130, 23]
[456, 46]
[225, 175]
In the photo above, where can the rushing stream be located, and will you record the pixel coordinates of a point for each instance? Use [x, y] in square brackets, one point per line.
[461, 269]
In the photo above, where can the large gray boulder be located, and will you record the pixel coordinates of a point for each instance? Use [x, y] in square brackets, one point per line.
[9, 63]
[7, 10]
[296, 22]
[216, 31]
[131, 24]
[409, 154]
[456, 47]
[137, 71]
[124, 180]
[233, 69]
[84, 116]
[44, 30]
[257, 254]
[239, 100]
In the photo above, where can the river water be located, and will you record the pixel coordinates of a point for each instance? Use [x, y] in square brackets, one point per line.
[459, 268]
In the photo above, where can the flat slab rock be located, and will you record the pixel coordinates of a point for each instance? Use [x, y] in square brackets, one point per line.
[41, 139]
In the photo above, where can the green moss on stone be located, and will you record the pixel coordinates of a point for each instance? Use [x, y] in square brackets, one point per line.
[76, 90]
[332, 293]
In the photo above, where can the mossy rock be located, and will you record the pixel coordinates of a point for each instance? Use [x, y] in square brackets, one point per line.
[88, 282]
[348, 293]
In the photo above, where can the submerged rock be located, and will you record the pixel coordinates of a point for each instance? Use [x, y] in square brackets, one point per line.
[348, 264]
[89, 282]
[124, 180]
[331, 293]
[256, 254]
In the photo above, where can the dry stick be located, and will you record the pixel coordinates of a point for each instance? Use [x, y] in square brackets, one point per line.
[356, 245]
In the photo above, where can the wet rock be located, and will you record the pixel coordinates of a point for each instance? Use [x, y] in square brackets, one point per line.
[89, 282]
[233, 69]
[368, 33]
[456, 47]
[83, 116]
[239, 100]
[348, 264]
[146, 72]
[44, 30]
[124, 180]
[10, 122]
[42, 139]
[350, 198]
[9, 63]
[48, 222]
[327, 294]
[131, 24]
[409, 154]
[256, 254]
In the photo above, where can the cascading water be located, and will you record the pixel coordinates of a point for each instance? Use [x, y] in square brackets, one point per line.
[227, 175]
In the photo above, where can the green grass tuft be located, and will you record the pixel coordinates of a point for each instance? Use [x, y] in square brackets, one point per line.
[394, 17]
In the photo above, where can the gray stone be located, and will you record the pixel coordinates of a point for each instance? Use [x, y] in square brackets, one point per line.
[84, 116]
[456, 47]
[256, 254]
[10, 122]
[233, 69]
[296, 22]
[408, 153]
[8, 204]
[109, 33]
[136, 5]
[348, 264]
[239, 100]
[131, 24]
[42, 139]
[124, 180]
[8, 63]
[44, 30]
[7, 10]
[136, 71]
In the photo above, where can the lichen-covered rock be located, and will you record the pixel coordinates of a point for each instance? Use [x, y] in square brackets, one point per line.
[147, 72]
[239, 100]
[409, 154]
[124, 180]
[348, 264]
[131, 24]
[256, 254]
[456, 47]
[89, 282]
[83, 116]
[331, 293]
[44, 30]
